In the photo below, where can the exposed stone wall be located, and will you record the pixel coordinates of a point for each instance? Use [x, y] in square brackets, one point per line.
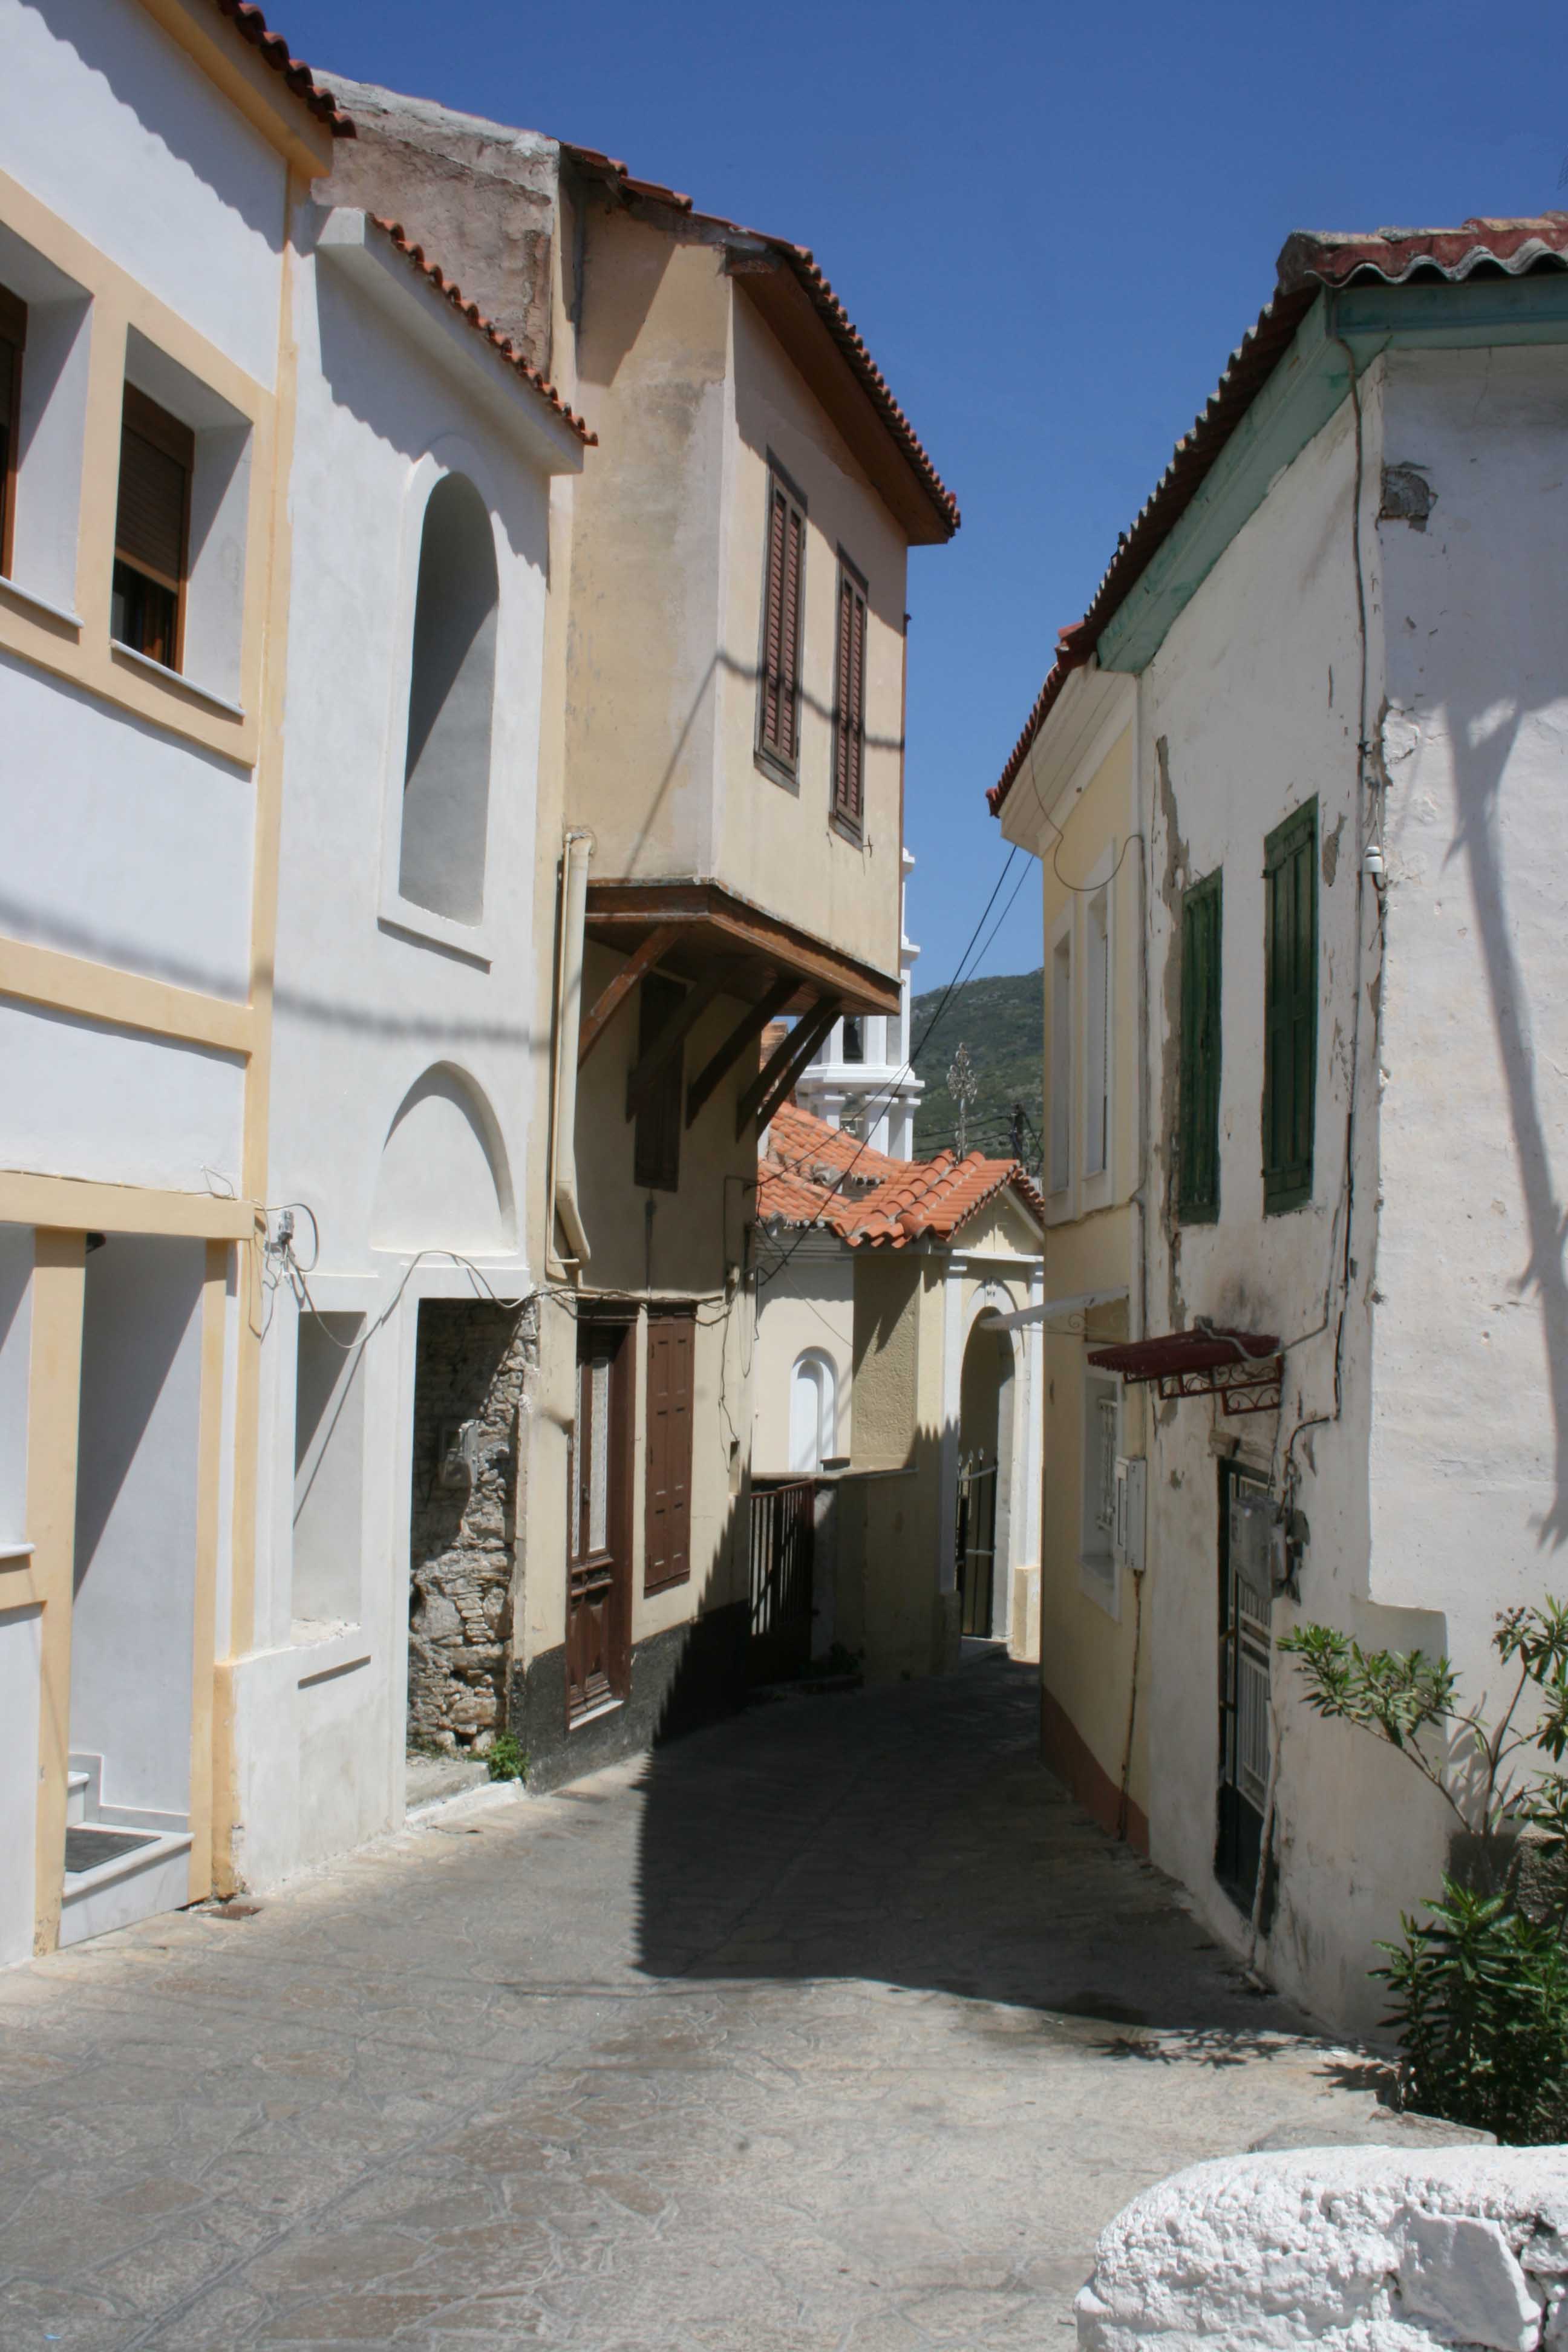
[474, 1367]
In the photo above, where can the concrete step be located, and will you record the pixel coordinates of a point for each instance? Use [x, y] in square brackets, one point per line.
[142, 1873]
[77, 1785]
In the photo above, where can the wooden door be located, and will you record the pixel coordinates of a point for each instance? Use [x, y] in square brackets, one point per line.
[598, 1573]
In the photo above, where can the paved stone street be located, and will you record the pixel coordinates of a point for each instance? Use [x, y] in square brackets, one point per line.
[834, 2029]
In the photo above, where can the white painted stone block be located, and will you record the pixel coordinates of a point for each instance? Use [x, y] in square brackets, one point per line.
[1354, 2249]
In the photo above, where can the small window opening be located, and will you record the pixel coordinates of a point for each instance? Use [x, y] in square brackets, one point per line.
[12, 336]
[854, 1038]
[783, 586]
[151, 529]
[451, 693]
[849, 705]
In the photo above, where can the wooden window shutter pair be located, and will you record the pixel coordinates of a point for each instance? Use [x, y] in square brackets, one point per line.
[1197, 1134]
[157, 457]
[778, 695]
[13, 337]
[671, 1363]
[849, 705]
[1289, 1009]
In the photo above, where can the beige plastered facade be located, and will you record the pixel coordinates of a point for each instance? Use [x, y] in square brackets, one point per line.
[69, 638]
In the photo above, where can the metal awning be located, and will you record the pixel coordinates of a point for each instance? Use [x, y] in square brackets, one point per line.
[1243, 1369]
[1079, 1303]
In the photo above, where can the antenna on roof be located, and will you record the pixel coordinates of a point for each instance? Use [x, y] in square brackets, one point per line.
[962, 1086]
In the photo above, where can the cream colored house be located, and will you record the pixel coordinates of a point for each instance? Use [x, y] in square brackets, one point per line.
[1075, 809]
[1315, 716]
[885, 1374]
[719, 804]
[147, 407]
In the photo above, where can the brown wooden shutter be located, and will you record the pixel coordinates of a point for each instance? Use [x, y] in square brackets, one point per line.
[156, 456]
[849, 705]
[778, 686]
[671, 1350]
[12, 336]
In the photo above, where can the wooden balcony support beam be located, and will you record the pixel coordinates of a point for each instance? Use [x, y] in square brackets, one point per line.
[641, 960]
[745, 1032]
[676, 1030]
[784, 1065]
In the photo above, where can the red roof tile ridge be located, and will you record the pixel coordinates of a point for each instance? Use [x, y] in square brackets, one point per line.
[1308, 261]
[826, 302]
[252, 26]
[436, 275]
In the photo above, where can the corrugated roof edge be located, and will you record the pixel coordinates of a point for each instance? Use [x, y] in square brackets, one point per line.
[437, 278]
[1309, 260]
[252, 26]
[840, 326]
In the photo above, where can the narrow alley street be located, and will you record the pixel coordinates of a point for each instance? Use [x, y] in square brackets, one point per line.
[837, 2026]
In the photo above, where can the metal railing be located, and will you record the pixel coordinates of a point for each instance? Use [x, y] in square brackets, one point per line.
[784, 1547]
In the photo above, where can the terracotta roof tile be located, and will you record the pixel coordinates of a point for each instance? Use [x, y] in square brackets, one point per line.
[437, 278]
[800, 1184]
[251, 25]
[1308, 261]
[839, 325]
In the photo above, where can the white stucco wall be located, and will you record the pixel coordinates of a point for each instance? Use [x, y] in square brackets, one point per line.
[410, 1052]
[104, 117]
[87, 1100]
[809, 1305]
[1469, 1466]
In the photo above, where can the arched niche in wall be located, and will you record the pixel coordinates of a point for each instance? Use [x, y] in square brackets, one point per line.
[443, 1182]
[451, 694]
[813, 1413]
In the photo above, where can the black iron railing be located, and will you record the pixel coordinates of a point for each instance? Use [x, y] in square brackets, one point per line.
[783, 1545]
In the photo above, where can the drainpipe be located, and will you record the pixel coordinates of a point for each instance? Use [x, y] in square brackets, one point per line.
[579, 849]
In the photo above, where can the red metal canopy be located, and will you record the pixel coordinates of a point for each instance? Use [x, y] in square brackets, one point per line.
[1243, 1369]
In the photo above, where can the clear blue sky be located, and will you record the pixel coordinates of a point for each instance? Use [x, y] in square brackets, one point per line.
[1051, 225]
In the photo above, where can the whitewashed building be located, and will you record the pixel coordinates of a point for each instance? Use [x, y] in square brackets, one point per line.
[407, 1101]
[1324, 688]
[152, 156]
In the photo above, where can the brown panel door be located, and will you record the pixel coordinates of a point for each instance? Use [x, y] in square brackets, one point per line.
[599, 1576]
[667, 1550]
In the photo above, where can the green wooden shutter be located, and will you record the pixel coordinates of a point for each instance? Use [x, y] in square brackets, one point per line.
[1289, 1009]
[1198, 1163]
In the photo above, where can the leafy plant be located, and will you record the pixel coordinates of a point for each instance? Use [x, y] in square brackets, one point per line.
[506, 1759]
[1479, 1989]
[1479, 1997]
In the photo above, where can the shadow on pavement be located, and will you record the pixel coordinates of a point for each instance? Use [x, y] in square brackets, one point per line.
[909, 1836]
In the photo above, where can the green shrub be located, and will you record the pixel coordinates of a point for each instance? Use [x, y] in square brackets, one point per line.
[1479, 1998]
[506, 1759]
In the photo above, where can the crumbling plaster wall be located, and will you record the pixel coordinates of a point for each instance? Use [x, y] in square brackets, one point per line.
[473, 1372]
[478, 196]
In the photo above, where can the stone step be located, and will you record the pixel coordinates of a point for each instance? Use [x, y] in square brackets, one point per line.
[77, 1785]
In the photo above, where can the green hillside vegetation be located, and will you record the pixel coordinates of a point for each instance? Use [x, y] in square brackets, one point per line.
[1002, 1022]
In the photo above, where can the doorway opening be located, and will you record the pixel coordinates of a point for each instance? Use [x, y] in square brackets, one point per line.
[983, 1533]
[1245, 1654]
[133, 1612]
[599, 1521]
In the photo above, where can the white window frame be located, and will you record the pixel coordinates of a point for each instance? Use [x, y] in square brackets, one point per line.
[1060, 1029]
[1099, 1570]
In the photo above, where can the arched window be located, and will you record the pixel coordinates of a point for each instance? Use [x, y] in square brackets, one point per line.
[452, 687]
[813, 1413]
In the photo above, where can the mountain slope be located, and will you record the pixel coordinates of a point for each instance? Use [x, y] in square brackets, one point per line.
[1002, 1024]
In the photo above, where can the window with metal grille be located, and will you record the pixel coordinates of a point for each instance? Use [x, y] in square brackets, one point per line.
[656, 1149]
[850, 704]
[1289, 1009]
[784, 588]
[12, 336]
[1197, 1135]
[151, 529]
